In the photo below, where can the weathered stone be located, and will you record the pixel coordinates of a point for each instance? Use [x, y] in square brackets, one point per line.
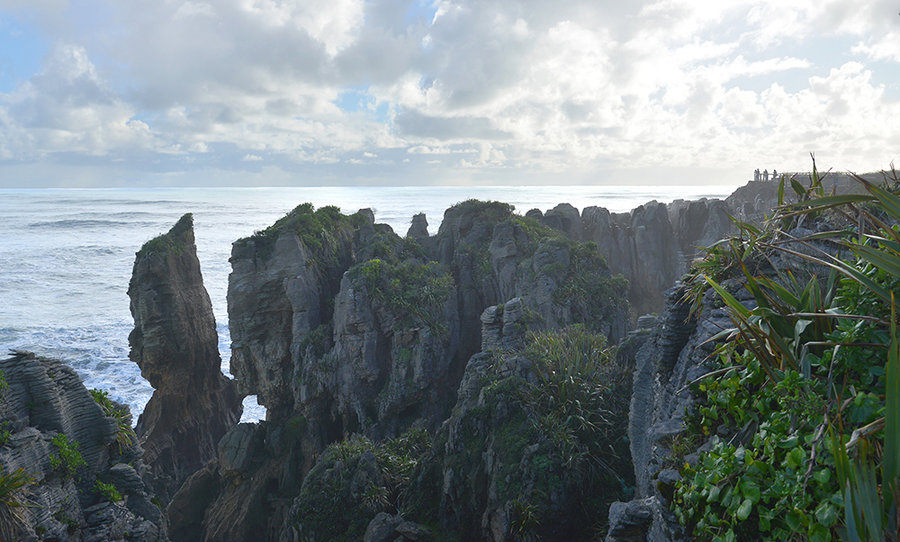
[44, 399]
[175, 343]
[418, 228]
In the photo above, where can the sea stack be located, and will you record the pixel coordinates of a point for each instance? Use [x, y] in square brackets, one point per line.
[175, 344]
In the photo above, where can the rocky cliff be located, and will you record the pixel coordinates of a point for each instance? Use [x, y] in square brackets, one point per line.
[175, 343]
[342, 327]
[80, 472]
[654, 244]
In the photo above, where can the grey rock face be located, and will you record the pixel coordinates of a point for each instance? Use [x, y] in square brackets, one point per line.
[418, 229]
[352, 329]
[44, 400]
[176, 345]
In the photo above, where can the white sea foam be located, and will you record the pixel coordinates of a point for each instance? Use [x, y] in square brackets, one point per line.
[66, 255]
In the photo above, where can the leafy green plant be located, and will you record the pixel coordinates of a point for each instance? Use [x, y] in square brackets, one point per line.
[67, 458]
[580, 398]
[5, 433]
[410, 288]
[3, 384]
[335, 504]
[12, 501]
[804, 360]
[107, 491]
[125, 435]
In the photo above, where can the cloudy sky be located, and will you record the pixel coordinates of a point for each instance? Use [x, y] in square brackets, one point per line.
[404, 92]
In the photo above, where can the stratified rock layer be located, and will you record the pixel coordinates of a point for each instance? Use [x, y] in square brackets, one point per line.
[43, 400]
[176, 346]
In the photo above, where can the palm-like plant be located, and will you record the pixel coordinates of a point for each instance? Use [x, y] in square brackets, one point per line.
[12, 502]
[792, 320]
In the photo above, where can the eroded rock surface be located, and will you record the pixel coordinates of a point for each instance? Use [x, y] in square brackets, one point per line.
[52, 420]
[342, 327]
[176, 346]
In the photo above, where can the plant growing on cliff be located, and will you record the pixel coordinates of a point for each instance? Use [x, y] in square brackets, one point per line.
[12, 502]
[580, 398]
[125, 435]
[588, 290]
[808, 383]
[411, 289]
[171, 241]
[107, 491]
[343, 492]
[5, 433]
[67, 458]
[316, 228]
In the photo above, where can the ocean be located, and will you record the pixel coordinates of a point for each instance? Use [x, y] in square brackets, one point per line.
[66, 255]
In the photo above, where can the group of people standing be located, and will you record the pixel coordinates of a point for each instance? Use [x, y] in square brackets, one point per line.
[764, 176]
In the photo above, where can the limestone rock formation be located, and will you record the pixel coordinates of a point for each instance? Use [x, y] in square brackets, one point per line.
[496, 471]
[342, 327]
[175, 343]
[65, 444]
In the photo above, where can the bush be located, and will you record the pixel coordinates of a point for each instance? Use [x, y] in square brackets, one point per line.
[107, 491]
[125, 435]
[581, 398]
[12, 500]
[339, 496]
[807, 385]
[67, 458]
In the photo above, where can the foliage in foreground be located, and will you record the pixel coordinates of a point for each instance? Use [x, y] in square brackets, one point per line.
[807, 383]
[12, 501]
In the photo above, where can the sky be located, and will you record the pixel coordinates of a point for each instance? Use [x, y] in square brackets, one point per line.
[417, 92]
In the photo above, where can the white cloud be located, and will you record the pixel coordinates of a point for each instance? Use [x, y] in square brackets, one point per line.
[67, 107]
[510, 84]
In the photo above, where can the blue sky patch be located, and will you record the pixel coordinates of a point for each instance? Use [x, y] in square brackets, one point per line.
[21, 50]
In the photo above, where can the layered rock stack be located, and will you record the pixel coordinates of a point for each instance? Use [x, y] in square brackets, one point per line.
[64, 444]
[175, 343]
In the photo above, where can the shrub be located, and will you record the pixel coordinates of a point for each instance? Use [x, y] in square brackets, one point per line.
[67, 458]
[412, 290]
[339, 498]
[581, 397]
[12, 500]
[807, 383]
[5, 433]
[107, 491]
[125, 435]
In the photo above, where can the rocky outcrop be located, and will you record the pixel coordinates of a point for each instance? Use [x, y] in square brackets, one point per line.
[65, 444]
[342, 327]
[176, 346]
[500, 469]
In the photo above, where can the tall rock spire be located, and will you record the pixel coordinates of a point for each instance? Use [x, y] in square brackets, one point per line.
[175, 343]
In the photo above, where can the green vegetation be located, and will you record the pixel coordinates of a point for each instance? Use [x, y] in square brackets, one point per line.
[170, 242]
[67, 458]
[482, 212]
[318, 229]
[353, 481]
[581, 398]
[557, 438]
[5, 433]
[588, 290]
[107, 491]
[12, 500]
[125, 435]
[3, 384]
[412, 290]
[807, 383]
